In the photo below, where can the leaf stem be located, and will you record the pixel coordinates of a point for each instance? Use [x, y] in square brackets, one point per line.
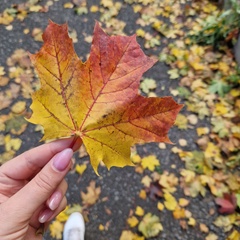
[76, 143]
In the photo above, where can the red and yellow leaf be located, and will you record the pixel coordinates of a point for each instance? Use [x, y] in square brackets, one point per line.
[98, 100]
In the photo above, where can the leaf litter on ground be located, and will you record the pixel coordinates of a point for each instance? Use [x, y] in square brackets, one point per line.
[208, 83]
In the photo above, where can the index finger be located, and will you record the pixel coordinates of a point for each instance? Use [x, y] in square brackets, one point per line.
[30, 162]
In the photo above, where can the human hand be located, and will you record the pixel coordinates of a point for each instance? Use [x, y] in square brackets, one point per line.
[32, 189]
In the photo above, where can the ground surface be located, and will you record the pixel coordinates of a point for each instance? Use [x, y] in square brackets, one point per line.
[120, 188]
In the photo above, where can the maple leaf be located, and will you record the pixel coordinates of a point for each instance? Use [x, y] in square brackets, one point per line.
[150, 225]
[92, 195]
[98, 100]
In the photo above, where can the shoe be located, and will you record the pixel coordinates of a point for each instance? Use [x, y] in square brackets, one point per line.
[74, 228]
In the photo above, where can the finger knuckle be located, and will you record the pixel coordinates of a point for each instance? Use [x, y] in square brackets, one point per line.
[44, 182]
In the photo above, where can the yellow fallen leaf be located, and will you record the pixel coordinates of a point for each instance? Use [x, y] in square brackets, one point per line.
[235, 92]
[183, 202]
[222, 66]
[197, 50]
[197, 66]
[80, 168]
[160, 206]
[18, 107]
[179, 213]
[181, 121]
[150, 225]
[68, 5]
[62, 216]
[170, 201]
[235, 235]
[137, 8]
[150, 162]
[168, 182]
[140, 32]
[177, 52]
[191, 221]
[56, 229]
[139, 211]
[213, 151]
[12, 143]
[136, 158]
[188, 175]
[101, 227]
[202, 131]
[92, 194]
[146, 181]
[132, 221]
[94, 8]
[220, 109]
[2, 72]
[211, 236]
[209, 8]
[35, 8]
[128, 235]
[143, 194]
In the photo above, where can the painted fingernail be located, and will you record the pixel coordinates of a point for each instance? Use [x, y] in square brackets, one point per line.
[55, 200]
[45, 215]
[62, 159]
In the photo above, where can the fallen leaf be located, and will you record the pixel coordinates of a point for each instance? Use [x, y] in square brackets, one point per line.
[183, 202]
[170, 201]
[12, 143]
[80, 168]
[143, 194]
[227, 203]
[211, 236]
[92, 194]
[146, 181]
[128, 235]
[18, 107]
[56, 229]
[155, 190]
[191, 221]
[139, 211]
[148, 84]
[150, 162]
[160, 206]
[181, 121]
[101, 227]
[98, 100]
[182, 142]
[150, 225]
[203, 228]
[132, 221]
[202, 131]
[179, 213]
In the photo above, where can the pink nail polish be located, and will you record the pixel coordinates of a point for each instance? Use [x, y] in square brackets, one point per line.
[55, 200]
[45, 215]
[62, 159]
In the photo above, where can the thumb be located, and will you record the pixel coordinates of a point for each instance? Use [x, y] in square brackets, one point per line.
[40, 188]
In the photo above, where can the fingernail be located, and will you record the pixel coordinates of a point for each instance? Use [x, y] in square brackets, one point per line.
[45, 215]
[62, 159]
[55, 200]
